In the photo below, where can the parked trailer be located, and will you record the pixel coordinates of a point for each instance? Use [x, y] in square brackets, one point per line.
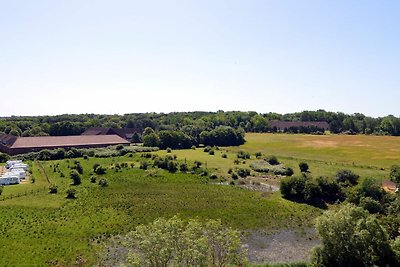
[18, 172]
[9, 179]
[20, 166]
[10, 163]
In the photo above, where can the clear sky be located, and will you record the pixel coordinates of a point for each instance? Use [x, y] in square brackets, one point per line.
[125, 56]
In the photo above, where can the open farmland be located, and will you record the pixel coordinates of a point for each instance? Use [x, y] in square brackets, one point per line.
[50, 229]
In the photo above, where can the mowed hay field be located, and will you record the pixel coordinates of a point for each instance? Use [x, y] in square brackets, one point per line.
[378, 151]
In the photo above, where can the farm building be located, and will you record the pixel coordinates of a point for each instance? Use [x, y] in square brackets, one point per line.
[17, 145]
[285, 125]
[125, 133]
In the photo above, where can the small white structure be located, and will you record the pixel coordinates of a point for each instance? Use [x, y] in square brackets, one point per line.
[19, 166]
[10, 163]
[18, 172]
[8, 179]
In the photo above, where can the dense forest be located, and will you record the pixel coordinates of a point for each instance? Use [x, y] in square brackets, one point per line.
[194, 123]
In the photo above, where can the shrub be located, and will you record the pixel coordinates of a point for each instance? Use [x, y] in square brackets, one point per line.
[53, 189]
[211, 152]
[100, 170]
[119, 147]
[183, 167]
[177, 242]
[347, 177]
[1, 189]
[370, 204]
[71, 193]
[258, 155]
[273, 160]
[234, 176]
[93, 179]
[207, 149]
[169, 150]
[395, 174]
[75, 176]
[197, 164]
[193, 147]
[213, 176]
[303, 166]
[236, 162]
[229, 170]
[143, 165]
[224, 156]
[95, 166]
[103, 182]
[243, 155]
[242, 172]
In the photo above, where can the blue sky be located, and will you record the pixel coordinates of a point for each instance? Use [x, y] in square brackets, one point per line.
[121, 57]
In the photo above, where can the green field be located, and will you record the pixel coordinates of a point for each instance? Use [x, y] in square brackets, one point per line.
[38, 228]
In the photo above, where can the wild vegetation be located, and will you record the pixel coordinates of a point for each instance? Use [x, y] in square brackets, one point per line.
[109, 197]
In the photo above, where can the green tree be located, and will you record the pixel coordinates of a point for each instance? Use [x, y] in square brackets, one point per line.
[151, 140]
[135, 138]
[174, 242]
[303, 166]
[352, 237]
[395, 174]
[76, 177]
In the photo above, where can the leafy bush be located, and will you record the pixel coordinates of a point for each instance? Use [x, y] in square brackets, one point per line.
[53, 189]
[1, 189]
[234, 176]
[176, 242]
[183, 167]
[207, 149]
[169, 150]
[71, 193]
[211, 152]
[100, 170]
[395, 174]
[352, 237]
[243, 155]
[76, 177]
[242, 172]
[224, 156]
[303, 166]
[258, 155]
[143, 165]
[273, 160]
[93, 179]
[347, 177]
[370, 204]
[264, 166]
[103, 182]
[213, 176]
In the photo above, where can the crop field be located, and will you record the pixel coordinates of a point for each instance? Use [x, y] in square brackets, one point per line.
[38, 228]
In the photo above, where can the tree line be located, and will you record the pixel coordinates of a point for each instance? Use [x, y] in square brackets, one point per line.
[194, 123]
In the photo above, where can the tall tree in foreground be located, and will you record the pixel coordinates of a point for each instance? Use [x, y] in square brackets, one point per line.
[352, 237]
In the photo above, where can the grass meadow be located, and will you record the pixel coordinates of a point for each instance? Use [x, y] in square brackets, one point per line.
[38, 228]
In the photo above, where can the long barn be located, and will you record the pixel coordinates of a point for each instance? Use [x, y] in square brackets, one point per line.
[13, 145]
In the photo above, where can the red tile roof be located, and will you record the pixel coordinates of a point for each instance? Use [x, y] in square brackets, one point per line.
[67, 141]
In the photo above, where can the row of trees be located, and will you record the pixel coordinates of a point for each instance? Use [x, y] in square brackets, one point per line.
[220, 136]
[193, 123]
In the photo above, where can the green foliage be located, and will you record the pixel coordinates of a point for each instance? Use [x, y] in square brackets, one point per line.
[135, 138]
[370, 204]
[395, 174]
[264, 166]
[273, 160]
[243, 155]
[151, 140]
[103, 182]
[258, 155]
[174, 139]
[53, 189]
[347, 177]
[211, 152]
[243, 172]
[93, 179]
[76, 177]
[352, 237]
[369, 187]
[303, 166]
[1, 189]
[312, 191]
[71, 193]
[175, 242]
[222, 136]
[4, 157]
[100, 170]
[224, 155]
[183, 167]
